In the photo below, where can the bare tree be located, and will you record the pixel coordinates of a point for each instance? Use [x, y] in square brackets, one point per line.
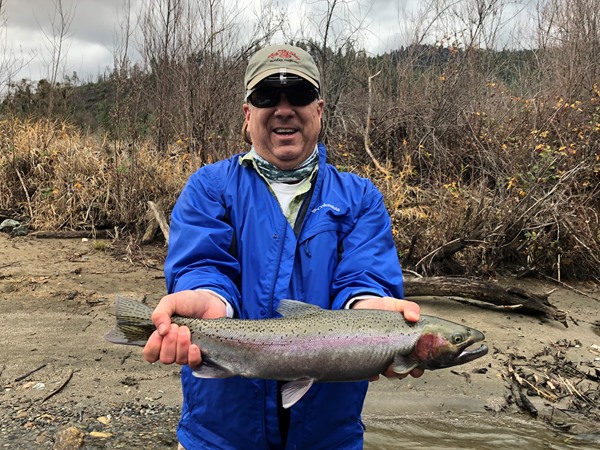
[569, 34]
[56, 40]
[10, 64]
[193, 50]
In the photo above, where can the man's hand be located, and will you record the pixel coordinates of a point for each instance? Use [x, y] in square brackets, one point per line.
[171, 343]
[411, 312]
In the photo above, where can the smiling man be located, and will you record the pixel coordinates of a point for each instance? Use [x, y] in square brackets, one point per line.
[283, 110]
[276, 223]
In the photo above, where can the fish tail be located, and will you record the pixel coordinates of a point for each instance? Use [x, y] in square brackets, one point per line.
[134, 323]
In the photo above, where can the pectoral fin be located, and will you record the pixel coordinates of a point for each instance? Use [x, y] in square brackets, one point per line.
[294, 390]
[403, 364]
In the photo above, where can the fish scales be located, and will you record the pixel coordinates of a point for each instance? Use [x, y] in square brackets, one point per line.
[260, 350]
[311, 344]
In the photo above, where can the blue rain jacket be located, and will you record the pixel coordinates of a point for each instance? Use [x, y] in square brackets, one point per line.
[229, 234]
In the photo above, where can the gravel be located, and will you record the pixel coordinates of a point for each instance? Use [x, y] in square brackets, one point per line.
[26, 424]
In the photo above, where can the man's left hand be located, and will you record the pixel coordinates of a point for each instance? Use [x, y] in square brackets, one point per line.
[411, 312]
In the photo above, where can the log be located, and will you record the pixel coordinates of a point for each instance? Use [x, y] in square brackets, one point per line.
[512, 298]
[14, 215]
[97, 234]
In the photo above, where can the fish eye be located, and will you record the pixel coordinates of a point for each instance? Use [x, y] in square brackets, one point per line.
[457, 338]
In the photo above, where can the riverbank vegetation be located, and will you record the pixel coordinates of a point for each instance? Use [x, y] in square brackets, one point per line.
[488, 155]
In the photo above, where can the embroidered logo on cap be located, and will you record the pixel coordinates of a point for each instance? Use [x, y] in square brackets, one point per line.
[283, 54]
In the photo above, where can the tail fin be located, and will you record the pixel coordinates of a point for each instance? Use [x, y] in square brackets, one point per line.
[134, 324]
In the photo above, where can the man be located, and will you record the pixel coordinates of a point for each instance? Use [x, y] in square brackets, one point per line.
[275, 223]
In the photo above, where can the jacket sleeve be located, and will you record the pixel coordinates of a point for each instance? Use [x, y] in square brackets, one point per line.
[200, 240]
[369, 261]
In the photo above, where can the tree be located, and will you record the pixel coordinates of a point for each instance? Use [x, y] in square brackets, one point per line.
[56, 46]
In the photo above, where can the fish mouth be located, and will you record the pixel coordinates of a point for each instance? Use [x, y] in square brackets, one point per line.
[469, 355]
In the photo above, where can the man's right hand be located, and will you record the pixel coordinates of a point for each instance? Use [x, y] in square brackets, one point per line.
[171, 343]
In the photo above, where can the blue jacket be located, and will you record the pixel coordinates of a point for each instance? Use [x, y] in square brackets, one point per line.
[229, 235]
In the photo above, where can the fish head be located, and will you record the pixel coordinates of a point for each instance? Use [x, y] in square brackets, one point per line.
[446, 344]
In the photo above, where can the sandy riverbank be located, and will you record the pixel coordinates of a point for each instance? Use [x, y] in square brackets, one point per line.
[56, 303]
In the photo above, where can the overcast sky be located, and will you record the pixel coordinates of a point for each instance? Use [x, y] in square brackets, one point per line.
[95, 23]
[89, 41]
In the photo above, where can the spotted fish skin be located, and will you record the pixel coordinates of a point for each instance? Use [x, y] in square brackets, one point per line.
[311, 344]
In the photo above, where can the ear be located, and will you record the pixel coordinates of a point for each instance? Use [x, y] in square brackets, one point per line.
[246, 133]
[246, 108]
[320, 107]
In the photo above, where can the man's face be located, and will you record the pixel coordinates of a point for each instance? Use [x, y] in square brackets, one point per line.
[284, 132]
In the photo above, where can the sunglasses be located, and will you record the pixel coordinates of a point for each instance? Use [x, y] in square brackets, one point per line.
[269, 97]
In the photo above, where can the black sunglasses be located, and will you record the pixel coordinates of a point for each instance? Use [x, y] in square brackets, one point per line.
[268, 97]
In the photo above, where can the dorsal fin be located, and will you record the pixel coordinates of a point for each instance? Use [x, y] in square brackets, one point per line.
[294, 308]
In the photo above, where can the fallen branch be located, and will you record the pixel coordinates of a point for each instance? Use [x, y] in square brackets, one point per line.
[572, 288]
[60, 388]
[512, 298]
[22, 377]
[14, 215]
[95, 234]
[160, 218]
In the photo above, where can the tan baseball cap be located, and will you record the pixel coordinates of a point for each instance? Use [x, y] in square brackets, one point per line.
[282, 64]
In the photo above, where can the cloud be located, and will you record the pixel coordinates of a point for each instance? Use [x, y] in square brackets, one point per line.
[88, 43]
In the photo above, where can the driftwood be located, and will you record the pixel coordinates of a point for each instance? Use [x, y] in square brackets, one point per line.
[512, 298]
[551, 377]
[14, 215]
[160, 218]
[151, 228]
[96, 234]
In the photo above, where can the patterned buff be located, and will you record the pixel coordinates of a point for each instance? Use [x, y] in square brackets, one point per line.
[273, 173]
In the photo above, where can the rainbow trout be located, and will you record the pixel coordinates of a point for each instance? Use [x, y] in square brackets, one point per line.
[310, 344]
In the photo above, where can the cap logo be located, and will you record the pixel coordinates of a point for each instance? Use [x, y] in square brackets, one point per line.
[283, 54]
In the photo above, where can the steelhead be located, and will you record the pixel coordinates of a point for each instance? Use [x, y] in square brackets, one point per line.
[310, 344]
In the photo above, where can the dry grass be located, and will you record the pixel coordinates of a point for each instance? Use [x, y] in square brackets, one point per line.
[68, 181]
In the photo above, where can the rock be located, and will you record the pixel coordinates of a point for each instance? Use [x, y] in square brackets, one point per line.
[104, 420]
[8, 225]
[43, 438]
[496, 404]
[21, 230]
[100, 434]
[68, 439]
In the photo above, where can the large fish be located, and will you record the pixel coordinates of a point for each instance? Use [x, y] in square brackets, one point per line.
[311, 344]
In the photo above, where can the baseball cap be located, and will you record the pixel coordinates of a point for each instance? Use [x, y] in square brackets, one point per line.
[281, 65]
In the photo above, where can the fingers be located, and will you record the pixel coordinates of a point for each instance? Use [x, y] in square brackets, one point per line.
[410, 310]
[161, 317]
[389, 373]
[151, 351]
[417, 373]
[182, 345]
[174, 347]
[172, 343]
[187, 352]
[168, 349]
[199, 304]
